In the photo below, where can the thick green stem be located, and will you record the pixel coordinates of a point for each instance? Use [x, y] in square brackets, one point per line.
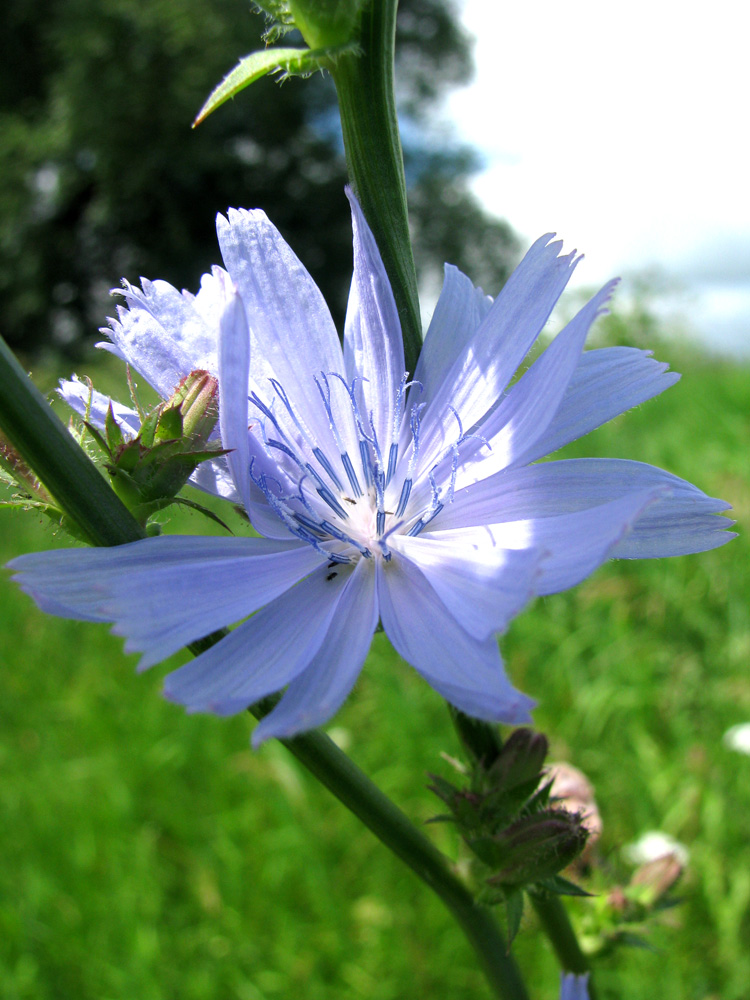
[364, 84]
[78, 487]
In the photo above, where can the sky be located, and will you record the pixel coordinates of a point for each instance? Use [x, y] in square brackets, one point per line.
[623, 128]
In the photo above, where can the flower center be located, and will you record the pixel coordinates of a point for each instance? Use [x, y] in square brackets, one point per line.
[342, 480]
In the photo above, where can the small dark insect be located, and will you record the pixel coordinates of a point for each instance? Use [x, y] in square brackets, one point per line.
[331, 575]
[349, 500]
[331, 564]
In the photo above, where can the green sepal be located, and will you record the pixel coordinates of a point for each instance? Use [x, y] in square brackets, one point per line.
[466, 806]
[97, 436]
[533, 848]
[144, 475]
[481, 740]
[513, 913]
[145, 511]
[169, 426]
[112, 430]
[279, 17]
[287, 62]
[556, 885]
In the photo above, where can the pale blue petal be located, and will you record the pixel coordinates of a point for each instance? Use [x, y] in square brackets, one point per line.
[606, 383]
[575, 544]
[478, 377]
[681, 522]
[320, 690]
[234, 369]
[574, 987]
[373, 345]
[92, 406]
[163, 335]
[482, 586]
[525, 413]
[265, 653]
[214, 477]
[162, 593]
[293, 338]
[466, 671]
[457, 317]
[234, 364]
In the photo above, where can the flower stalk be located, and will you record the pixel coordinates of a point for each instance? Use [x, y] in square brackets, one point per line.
[364, 84]
[556, 924]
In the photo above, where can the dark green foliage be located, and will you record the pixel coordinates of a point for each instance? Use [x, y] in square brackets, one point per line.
[101, 176]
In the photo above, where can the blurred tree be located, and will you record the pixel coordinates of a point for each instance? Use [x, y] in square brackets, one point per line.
[101, 175]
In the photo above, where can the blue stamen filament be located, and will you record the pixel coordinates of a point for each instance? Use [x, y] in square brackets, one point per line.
[360, 522]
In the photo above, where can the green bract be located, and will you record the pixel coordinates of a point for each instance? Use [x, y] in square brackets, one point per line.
[287, 62]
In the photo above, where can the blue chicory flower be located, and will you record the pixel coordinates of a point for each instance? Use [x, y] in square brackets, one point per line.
[410, 501]
[574, 987]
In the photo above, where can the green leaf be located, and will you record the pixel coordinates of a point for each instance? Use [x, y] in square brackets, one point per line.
[289, 62]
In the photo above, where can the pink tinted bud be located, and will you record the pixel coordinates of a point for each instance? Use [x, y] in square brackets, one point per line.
[573, 791]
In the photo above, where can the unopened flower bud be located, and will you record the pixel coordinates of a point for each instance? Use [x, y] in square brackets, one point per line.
[573, 791]
[197, 399]
[520, 760]
[536, 847]
[655, 878]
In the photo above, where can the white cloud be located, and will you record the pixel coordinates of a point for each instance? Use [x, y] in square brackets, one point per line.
[623, 128]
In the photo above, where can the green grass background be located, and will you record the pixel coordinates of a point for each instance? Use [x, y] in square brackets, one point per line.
[150, 855]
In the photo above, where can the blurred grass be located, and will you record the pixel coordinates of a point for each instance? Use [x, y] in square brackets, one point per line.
[149, 854]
